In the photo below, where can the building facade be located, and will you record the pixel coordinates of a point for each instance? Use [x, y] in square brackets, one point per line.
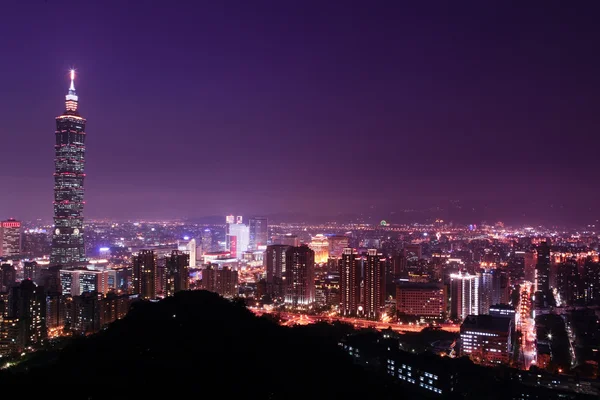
[259, 233]
[464, 295]
[10, 237]
[422, 300]
[145, 274]
[299, 277]
[274, 262]
[350, 276]
[374, 301]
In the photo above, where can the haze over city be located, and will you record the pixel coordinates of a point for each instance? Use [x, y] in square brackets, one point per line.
[311, 108]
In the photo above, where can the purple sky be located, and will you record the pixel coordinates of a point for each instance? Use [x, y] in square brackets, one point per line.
[206, 107]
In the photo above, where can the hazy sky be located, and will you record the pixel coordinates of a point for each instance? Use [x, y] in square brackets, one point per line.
[206, 107]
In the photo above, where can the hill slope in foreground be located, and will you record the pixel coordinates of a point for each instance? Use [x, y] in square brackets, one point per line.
[197, 343]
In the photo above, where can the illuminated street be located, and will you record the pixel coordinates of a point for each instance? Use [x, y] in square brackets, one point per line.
[526, 325]
[289, 319]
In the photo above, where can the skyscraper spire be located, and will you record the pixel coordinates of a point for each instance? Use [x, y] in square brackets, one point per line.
[71, 97]
[72, 88]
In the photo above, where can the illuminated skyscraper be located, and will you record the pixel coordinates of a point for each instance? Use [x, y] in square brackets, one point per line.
[374, 284]
[178, 275]
[145, 274]
[464, 295]
[542, 269]
[299, 277]
[239, 238]
[350, 274]
[259, 233]
[68, 248]
[275, 268]
[27, 302]
[10, 238]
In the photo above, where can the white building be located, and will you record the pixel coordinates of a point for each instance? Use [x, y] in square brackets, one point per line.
[189, 246]
[239, 245]
[464, 295]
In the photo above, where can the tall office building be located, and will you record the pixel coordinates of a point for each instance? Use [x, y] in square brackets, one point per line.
[10, 238]
[274, 262]
[424, 300]
[239, 239]
[259, 233]
[542, 268]
[27, 302]
[227, 282]
[68, 247]
[75, 282]
[178, 276]
[530, 260]
[374, 284]
[299, 277]
[350, 275]
[145, 274]
[464, 295]
[207, 240]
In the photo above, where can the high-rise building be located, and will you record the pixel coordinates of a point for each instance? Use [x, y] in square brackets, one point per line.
[424, 300]
[209, 278]
[177, 268]
[27, 302]
[55, 311]
[207, 239]
[530, 260]
[188, 245]
[145, 274]
[259, 233]
[350, 275]
[274, 262]
[591, 277]
[464, 295]
[86, 312]
[241, 233]
[374, 284]
[75, 282]
[486, 285]
[10, 238]
[227, 282]
[569, 285]
[299, 277]
[35, 243]
[31, 270]
[486, 339]
[8, 275]
[493, 289]
[542, 268]
[223, 281]
[68, 247]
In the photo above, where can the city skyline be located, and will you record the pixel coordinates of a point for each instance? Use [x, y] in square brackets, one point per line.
[476, 115]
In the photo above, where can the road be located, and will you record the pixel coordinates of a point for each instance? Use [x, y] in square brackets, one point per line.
[288, 319]
[526, 325]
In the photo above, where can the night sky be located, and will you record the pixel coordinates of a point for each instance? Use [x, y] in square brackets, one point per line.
[317, 107]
